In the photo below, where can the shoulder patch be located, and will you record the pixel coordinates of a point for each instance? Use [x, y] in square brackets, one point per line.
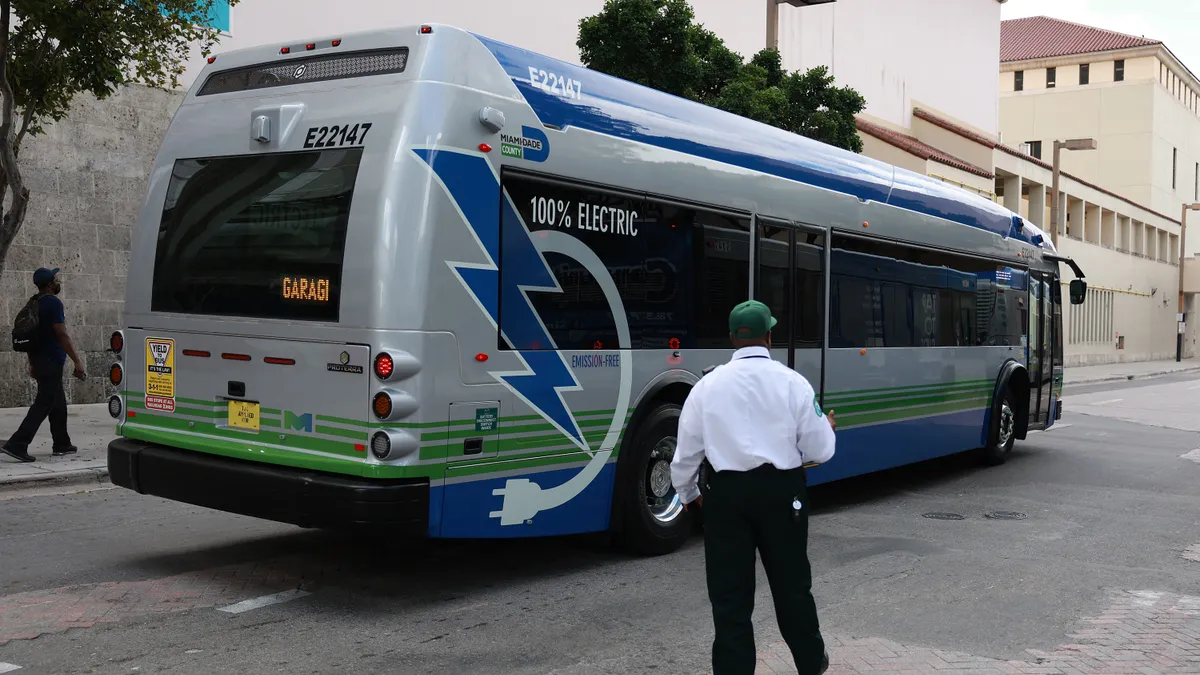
[817, 407]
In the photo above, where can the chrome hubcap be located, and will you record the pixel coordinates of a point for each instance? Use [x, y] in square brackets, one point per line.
[1006, 424]
[661, 499]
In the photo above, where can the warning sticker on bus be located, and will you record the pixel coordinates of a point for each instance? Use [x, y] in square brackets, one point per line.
[160, 374]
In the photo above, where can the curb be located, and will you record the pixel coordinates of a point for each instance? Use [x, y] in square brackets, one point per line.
[1140, 376]
[90, 477]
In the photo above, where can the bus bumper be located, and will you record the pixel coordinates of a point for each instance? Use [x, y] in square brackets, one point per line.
[280, 493]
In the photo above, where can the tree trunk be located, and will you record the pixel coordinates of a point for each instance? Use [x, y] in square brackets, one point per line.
[10, 224]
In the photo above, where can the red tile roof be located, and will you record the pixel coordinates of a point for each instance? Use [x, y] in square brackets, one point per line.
[984, 141]
[1041, 37]
[915, 147]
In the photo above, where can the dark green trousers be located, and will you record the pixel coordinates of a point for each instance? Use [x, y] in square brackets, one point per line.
[746, 512]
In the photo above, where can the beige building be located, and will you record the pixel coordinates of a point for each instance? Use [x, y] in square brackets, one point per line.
[1063, 80]
[1128, 251]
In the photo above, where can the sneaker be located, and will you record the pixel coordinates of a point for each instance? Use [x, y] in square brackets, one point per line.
[19, 455]
[68, 450]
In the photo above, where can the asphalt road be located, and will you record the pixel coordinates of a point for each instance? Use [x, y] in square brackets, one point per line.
[119, 583]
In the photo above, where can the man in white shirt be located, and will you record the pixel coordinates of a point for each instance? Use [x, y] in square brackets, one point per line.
[758, 423]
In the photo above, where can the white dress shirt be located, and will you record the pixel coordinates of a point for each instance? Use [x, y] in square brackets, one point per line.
[751, 411]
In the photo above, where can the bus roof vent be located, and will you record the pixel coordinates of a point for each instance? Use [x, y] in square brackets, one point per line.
[310, 69]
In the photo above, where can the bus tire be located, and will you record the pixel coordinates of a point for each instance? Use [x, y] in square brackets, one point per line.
[654, 521]
[1003, 433]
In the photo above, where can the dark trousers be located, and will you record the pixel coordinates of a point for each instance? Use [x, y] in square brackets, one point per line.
[745, 512]
[51, 401]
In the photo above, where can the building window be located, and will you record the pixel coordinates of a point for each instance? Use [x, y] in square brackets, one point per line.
[1051, 76]
[1035, 149]
[1019, 80]
[1174, 166]
[1197, 188]
[1085, 73]
[1119, 70]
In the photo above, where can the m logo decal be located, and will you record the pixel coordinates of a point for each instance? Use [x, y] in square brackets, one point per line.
[296, 422]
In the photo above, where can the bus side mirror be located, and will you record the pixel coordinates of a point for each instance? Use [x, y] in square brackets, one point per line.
[1078, 291]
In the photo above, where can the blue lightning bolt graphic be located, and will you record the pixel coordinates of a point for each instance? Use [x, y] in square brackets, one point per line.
[475, 188]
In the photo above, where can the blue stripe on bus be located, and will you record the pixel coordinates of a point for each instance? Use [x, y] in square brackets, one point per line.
[626, 110]
[866, 450]
[467, 507]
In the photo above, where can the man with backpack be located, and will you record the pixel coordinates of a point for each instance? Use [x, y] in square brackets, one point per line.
[40, 330]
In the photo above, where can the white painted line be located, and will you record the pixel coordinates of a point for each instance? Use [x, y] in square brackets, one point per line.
[8, 667]
[255, 603]
[1193, 455]
[1115, 400]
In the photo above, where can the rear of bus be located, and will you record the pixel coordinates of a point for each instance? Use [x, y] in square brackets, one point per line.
[267, 340]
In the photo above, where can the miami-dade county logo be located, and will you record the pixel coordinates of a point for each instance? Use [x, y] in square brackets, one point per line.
[532, 145]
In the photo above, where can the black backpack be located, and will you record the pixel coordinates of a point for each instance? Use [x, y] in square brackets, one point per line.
[27, 333]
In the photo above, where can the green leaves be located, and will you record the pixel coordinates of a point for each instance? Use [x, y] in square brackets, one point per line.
[58, 49]
[656, 43]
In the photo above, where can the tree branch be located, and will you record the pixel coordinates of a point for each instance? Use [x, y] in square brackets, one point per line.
[12, 220]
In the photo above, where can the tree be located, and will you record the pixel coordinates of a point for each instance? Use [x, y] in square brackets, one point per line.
[657, 43]
[54, 50]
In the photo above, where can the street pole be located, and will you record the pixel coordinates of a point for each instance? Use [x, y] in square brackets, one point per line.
[1182, 244]
[1054, 199]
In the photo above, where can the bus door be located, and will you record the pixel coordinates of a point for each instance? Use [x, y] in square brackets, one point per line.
[791, 263]
[1042, 344]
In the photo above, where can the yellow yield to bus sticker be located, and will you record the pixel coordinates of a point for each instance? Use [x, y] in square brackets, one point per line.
[160, 374]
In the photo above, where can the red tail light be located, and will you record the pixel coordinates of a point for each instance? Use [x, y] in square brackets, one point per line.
[337, 43]
[116, 342]
[278, 361]
[310, 46]
[235, 357]
[384, 366]
[285, 50]
[114, 374]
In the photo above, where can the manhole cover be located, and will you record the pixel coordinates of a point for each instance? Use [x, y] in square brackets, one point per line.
[943, 516]
[1005, 515]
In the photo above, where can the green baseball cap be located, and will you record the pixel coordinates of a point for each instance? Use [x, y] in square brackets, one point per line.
[751, 319]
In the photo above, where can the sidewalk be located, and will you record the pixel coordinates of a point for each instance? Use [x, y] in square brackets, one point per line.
[91, 429]
[1127, 371]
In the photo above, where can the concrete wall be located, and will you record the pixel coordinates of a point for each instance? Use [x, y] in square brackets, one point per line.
[549, 27]
[1125, 300]
[894, 52]
[87, 177]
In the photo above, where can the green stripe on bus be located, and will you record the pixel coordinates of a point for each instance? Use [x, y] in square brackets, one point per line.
[913, 402]
[500, 465]
[852, 396]
[344, 433]
[594, 439]
[304, 442]
[246, 450]
[509, 430]
[875, 417]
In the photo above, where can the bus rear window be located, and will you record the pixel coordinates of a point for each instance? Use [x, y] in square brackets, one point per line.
[257, 236]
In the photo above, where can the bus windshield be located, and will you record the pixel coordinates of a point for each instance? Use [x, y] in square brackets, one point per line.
[259, 236]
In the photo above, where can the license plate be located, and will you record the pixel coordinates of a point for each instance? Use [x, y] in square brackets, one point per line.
[243, 415]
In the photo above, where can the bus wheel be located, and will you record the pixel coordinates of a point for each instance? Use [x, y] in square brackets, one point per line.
[654, 520]
[1004, 431]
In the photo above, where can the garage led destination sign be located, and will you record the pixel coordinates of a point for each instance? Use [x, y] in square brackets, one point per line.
[306, 289]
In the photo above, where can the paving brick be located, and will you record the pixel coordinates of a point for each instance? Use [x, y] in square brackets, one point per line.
[1142, 633]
